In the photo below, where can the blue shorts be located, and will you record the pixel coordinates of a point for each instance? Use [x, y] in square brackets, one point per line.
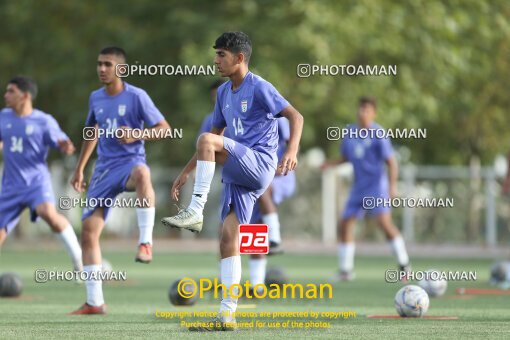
[14, 200]
[354, 207]
[246, 175]
[282, 188]
[109, 180]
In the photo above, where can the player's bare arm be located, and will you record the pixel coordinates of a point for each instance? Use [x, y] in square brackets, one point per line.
[87, 148]
[128, 137]
[392, 175]
[190, 166]
[289, 158]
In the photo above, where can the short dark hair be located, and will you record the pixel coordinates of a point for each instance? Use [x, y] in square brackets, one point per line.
[114, 50]
[235, 42]
[25, 84]
[368, 101]
[216, 84]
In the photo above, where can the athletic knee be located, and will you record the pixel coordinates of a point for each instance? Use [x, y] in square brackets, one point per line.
[44, 212]
[205, 139]
[89, 238]
[227, 240]
[266, 202]
[224, 240]
[51, 216]
[141, 174]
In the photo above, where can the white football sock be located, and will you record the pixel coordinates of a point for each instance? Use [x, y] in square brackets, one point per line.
[68, 237]
[399, 250]
[230, 274]
[346, 256]
[94, 287]
[273, 221]
[257, 271]
[145, 218]
[203, 179]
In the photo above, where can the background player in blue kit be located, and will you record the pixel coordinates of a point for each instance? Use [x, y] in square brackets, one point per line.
[121, 165]
[26, 134]
[368, 157]
[247, 106]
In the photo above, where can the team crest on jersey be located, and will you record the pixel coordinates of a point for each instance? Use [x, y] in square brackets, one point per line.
[29, 129]
[122, 110]
[244, 105]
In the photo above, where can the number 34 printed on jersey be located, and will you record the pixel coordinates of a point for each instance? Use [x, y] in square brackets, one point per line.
[16, 144]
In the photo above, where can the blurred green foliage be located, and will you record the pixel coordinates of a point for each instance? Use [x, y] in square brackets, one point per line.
[452, 56]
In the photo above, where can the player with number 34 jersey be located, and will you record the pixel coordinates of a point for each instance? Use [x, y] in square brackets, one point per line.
[26, 135]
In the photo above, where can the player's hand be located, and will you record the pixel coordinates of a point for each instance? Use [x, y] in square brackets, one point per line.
[288, 163]
[66, 146]
[178, 184]
[77, 181]
[127, 136]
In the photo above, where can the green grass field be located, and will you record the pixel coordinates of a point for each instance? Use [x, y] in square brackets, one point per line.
[41, 310]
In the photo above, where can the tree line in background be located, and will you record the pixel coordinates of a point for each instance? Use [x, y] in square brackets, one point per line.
[452, 58]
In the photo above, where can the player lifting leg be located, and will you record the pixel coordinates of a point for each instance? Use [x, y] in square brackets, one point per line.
[247, 106]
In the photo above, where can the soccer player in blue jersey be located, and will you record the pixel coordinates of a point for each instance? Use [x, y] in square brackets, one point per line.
[121, 165]
[265, 210]
[247, 106]
[368, 157]
[26, 134]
